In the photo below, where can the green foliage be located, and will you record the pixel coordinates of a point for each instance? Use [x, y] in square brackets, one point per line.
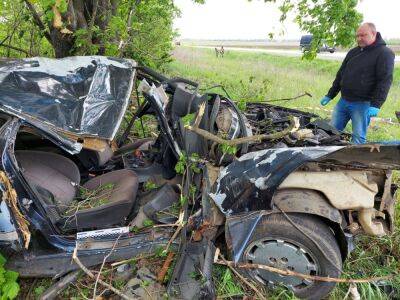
[153, 32]
[90, 198]
[148, 223]
[192, 191]
[149, 185]
[183, 200]
[41, 286]
[146, 36]
[143, 30]
[331, 21]
[9, 288]
[190, 162]
[227, 149]
[188, 119]
[181, 164]
[160, 252]
[226, 284]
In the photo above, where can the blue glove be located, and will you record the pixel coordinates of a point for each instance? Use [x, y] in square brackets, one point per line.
[325, 100]
[373, 111]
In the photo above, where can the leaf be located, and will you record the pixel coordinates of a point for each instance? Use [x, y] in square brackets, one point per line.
[182, 200]
[10, 290]
[2, 260]
[148, 223]
[11, 275]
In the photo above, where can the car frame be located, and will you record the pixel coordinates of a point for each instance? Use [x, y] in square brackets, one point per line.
[272, 196]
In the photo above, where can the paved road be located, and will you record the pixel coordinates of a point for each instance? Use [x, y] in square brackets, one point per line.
[331, 56]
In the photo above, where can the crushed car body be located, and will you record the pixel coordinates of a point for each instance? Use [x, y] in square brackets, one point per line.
[268, 184]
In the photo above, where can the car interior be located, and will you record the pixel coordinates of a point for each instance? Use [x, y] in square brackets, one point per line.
[79, 191]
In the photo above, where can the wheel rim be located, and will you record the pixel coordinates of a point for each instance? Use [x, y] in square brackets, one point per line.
[282, 254]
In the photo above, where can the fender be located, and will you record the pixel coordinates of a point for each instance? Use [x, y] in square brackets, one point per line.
[306, 201]
[313, 202]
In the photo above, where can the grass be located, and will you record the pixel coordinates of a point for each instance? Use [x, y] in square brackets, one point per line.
[259, 76]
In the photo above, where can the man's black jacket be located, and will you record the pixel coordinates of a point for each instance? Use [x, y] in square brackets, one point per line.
[366, 74]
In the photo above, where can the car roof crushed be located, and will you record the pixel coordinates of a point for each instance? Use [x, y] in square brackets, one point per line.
[80, 96]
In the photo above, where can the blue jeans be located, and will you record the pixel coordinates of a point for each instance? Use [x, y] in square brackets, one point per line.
[357, 112]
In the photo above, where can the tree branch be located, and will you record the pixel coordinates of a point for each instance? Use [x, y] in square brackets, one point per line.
[249, 284]
[94, 14]
[79, 13]
[38, 21]
[14, 48]
[255, 138]
[301, 275]
[123, 43]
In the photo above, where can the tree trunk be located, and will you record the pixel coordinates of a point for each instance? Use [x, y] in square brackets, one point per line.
[63, 44]
[80, 14]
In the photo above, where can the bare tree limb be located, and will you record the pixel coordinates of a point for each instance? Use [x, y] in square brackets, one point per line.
[91, 275]
[15, 48]
[163, 271]
[79, 13]
[300, 275]
[38, 21]
[255, 138]
[249, 284]
[5, 40]
[122, 43]
[102, 265]
[94, 14]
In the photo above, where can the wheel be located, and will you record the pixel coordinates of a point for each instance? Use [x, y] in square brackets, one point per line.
[277, 243]
[331, 51]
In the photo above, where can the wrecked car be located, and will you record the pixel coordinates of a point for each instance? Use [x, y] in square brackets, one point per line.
[265, 185]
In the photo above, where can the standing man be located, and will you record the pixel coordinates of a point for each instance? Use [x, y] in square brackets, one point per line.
[364, 80]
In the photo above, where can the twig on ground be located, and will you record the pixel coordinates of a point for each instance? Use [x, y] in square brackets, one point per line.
[102, 265]
[180, 225]
[31, 288]
[147, 292]
[249, 284]
[91, 275]
[300, 275]
[164, 269]
[128, 260]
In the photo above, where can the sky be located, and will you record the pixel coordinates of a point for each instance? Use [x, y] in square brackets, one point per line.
[241, 19]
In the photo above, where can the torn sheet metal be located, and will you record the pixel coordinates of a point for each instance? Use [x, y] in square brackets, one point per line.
[160, 100]
[84, 95]
[249, 183]
[69, 145]
[375, 156]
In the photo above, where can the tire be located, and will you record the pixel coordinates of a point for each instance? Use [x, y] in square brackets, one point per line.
[275, 236]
